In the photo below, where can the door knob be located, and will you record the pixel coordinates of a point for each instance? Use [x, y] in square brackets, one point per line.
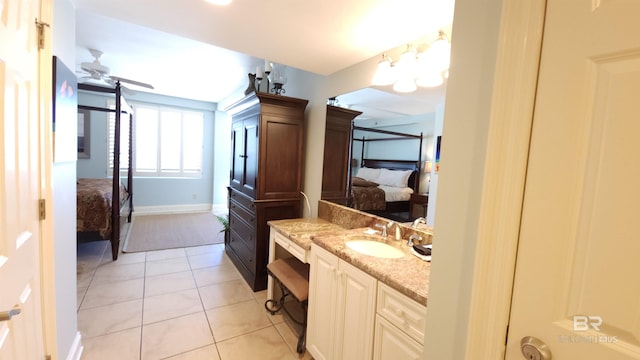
[534, 349]
[7, 315]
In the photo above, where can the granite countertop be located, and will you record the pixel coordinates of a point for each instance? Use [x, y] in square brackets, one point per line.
[409, 275]
[300, 230]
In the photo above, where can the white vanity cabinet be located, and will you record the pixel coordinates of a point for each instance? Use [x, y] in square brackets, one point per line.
[341, 308]
[399, 329]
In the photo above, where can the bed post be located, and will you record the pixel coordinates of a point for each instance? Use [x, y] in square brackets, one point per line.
[130, 170]
[115, 190]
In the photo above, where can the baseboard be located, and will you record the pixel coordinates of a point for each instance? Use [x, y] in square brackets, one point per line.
[75, 353]
[170, 209]
[220, 209]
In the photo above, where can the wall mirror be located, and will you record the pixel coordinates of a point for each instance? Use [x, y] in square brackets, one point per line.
[390, 148]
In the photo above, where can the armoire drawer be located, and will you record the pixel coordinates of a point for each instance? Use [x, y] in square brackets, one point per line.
[247, 256]
[240, 212]
[243, 231]
[243, 200]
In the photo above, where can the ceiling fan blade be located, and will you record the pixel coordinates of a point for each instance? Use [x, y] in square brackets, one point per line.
[132, 82]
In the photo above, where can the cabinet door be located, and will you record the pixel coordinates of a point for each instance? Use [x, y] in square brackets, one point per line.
[391, 343]
[237, 155]
[322, 301]
[355, 312]
[250, 133]
[244, 157]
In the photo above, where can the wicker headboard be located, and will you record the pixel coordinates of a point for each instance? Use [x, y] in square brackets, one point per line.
[414, 179]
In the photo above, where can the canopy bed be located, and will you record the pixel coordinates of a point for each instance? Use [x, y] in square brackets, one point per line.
[101, 203]
[384, 186]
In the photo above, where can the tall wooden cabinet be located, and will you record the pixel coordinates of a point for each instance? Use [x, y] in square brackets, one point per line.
[266, 177]
[337, 154]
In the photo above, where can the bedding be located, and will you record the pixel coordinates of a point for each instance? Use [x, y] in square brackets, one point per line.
[369, 174]
[357, 181]
[368, 195]
[368, 198]
[93, 202]
[392, 193]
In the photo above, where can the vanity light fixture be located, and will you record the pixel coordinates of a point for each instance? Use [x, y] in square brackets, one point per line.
[426, 68]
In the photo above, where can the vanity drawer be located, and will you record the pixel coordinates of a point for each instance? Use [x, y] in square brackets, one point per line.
[293, 248]
[401, 311]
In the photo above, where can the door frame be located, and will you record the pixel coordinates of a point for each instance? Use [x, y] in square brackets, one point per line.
[516, 72]
[482, 256]
[47, 240]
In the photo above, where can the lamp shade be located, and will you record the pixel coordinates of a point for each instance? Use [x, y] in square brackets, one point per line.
[384, 73]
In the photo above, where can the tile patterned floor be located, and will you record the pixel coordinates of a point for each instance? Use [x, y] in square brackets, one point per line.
[187, 303]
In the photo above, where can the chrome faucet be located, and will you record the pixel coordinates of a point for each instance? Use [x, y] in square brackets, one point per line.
[383, 232]
[389, 225]
[415, 226]
[412, 238]
[398, 234]
[418, 221]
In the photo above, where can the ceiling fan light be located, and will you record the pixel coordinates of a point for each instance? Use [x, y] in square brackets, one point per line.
[384, 73]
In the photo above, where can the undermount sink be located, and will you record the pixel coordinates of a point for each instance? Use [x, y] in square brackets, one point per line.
[375, 248]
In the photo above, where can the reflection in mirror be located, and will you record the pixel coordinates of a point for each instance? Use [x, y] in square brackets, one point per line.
[379, 151]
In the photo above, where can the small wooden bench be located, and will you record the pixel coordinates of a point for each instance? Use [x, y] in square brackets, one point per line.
[292, 275]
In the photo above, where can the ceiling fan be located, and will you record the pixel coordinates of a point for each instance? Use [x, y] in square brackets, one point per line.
[96, 71]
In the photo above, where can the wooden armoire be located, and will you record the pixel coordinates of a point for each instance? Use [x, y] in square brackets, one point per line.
[266, 177]
[336, 168]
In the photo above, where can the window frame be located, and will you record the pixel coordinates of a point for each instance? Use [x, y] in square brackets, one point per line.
[185, 114]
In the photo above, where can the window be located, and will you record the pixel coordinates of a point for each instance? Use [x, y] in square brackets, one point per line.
[167, 142]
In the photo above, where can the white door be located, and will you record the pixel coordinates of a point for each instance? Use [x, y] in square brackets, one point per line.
[21, 337]
[577, 283]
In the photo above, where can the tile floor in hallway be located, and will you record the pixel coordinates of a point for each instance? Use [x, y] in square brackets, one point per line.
[187, 303]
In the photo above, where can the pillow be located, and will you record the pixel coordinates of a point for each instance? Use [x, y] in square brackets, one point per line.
[395, 178]
[357, 181]
[369, 174]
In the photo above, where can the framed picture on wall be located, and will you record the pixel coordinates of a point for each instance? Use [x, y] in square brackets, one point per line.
[84, 132]
[438, 141]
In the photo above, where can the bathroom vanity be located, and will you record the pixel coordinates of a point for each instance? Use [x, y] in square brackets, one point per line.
[360, 306]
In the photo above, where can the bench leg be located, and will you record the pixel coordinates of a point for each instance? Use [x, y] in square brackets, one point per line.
[302, 340]
[273, 306]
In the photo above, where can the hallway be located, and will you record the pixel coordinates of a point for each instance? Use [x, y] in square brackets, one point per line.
[185, 303]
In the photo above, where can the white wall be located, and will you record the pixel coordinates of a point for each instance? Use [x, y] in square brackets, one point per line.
[64, 200]
[464, 145]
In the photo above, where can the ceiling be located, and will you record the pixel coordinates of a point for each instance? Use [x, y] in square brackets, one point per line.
[196, 50]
